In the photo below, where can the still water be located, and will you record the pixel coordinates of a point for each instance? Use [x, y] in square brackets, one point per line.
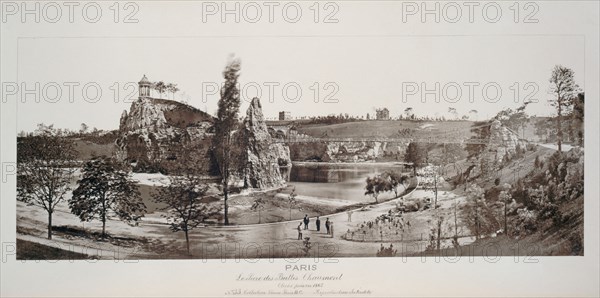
[337, 181]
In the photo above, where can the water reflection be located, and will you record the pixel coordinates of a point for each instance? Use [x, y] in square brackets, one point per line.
[334, 181]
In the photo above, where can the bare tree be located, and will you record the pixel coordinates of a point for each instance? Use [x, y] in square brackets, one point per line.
[184, 203]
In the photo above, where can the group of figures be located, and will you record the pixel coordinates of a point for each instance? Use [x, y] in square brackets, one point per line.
[306, 221]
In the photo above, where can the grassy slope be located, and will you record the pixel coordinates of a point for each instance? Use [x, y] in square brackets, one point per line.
[547, 242]
[34, 251]
[382, 128]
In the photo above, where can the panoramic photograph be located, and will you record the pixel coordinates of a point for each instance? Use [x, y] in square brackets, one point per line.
[424, 170]
[351, 148]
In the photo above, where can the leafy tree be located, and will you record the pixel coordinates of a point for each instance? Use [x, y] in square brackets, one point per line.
[479, 216]
[415, 155]
[473, 114]
[44, 171]
[474, 207]
[160, 87]
[83, 129]
[225, 124]
[435, 231]
[541, 129]
[409, 113]
[172, 88]
[395, 179]
[105, 189]
[481, 130]
[376, 185]
[578, 117]
[564, 89]
[453, 112]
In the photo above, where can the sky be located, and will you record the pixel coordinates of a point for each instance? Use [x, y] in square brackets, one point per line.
[370, 59]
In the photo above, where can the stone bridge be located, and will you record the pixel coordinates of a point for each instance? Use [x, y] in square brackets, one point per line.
[280, 128]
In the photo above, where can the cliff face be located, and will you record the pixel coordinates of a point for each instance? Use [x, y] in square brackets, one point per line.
[262, 157]
[339, 151]
[156, 134]
[152, 134]
[503, 142]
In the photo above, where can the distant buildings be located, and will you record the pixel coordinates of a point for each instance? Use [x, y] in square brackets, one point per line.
[285, 115]
[382, 114]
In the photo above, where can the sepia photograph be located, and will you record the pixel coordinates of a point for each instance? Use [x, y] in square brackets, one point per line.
[300, 149]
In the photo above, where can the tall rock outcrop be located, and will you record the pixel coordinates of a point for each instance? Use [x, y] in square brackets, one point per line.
[262, 157]
[502, 145]
[152, 134]
[503, 142]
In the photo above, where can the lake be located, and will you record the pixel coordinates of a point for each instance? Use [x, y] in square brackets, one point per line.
[337, 181]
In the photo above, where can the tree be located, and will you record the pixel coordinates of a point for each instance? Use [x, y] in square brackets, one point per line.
[225, 124]
[578, 117]
[183, 200]
[83, 129]
[473, 114]
[415, 155]
[506, 198]
[160, 87]
[435, 231]
[481, 130]
[172, 88]
[376, 185]
[453, 112]
[44, 171]
[541, 129]
[395, 180]
[475, 196]
[103, 189]
[564, 88]
[409, 113]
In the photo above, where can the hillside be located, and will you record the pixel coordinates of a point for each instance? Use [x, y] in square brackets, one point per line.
[387, 129]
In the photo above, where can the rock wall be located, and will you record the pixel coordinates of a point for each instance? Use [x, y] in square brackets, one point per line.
[350, 151]
[262, 156]
[503, 142]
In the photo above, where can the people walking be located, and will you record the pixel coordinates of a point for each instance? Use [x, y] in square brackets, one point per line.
[349, 215]
[318, 223]
[300, 231]
[306, 221]
[327, 222]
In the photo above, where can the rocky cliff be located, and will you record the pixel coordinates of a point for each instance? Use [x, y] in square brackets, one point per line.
[503, 142]
[155, 134]
[262, 157]
[152, 134]
[503, 145]
[340, 151]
